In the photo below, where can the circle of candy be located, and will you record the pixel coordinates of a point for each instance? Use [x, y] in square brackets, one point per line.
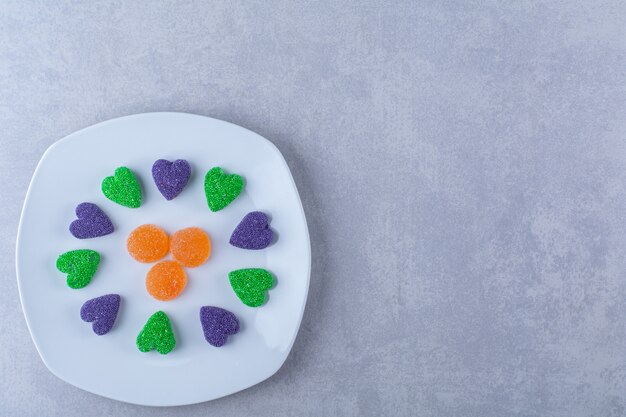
[148, 243]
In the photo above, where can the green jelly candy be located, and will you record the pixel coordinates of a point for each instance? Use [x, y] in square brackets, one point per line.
[157, 334]
[79, 265]
[221, 189]
[251, 285]
[122, 188]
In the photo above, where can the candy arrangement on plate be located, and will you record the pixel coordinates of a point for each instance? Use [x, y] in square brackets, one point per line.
[182, 259]
[190, 247]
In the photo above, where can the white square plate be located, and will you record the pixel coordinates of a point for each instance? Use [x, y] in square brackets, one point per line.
[71, 172]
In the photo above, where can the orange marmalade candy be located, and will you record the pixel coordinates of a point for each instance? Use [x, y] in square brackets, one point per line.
[148, 243]
[191, 246]
[166, 280]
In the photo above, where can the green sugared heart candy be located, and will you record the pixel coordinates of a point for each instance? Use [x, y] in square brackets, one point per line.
[157, 334]
[251, 285]
[79, 265]
[221, 189]
[122, 188]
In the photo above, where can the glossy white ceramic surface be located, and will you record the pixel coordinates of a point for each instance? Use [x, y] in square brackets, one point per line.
[71, 171]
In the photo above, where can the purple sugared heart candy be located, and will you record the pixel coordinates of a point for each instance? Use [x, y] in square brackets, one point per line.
[102, 312]
[218, 324]
[253, 232]
[91, 222]
[171, 177]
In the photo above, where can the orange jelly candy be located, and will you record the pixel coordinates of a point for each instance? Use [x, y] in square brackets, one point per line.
[148, 243]
[166, 280]
[191, 246]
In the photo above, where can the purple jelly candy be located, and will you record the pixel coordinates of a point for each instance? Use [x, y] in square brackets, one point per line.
[253, 232]
[102, 312]
[171, 177]
[218, 324]
[91, 222]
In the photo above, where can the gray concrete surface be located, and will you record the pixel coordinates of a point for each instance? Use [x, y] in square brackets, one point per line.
[461, 164]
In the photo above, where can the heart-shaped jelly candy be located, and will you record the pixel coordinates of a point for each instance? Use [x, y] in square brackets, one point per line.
[251, 285]
[80, 266]
[122, 188]
[218, 324]
[221, 189]
[102, 312]
[91, 222]
[171, 177]
[157, 334]
[253, 232]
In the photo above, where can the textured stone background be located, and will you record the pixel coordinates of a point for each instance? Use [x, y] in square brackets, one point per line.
[461, 163]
